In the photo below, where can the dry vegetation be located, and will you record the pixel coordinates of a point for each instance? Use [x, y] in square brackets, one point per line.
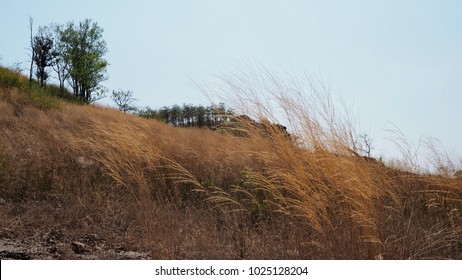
[73, 174]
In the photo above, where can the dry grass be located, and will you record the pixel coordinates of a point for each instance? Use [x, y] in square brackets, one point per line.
[195, 193]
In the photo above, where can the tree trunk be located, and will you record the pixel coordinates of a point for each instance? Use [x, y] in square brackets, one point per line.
[31, 21]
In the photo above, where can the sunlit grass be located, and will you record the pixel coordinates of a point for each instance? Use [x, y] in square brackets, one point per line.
[197, 193]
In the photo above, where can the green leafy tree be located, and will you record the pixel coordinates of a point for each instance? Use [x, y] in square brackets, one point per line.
[149, 113]
[82, 49]
[200, 116]
[188, 114]
[176, 114]
[45, 54]
[60, 66]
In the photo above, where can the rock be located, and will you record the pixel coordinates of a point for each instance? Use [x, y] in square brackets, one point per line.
[93, 240]
[79, 247]
[11, 255]
[85, 162]
[53, 236]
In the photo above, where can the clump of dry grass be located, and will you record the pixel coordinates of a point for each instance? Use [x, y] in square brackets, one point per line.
[196, 193]
[315, 175]
[320, 176]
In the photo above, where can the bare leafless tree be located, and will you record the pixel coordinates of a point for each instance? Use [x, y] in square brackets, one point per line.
[123, 99]
[32, 47]
[365, 144]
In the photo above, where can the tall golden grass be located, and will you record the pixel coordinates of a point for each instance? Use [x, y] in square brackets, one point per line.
[197, 193]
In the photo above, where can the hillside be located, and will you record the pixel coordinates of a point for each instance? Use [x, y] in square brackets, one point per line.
[86, 182]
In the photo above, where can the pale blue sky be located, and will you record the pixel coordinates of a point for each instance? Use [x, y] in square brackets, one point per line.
[399, 62]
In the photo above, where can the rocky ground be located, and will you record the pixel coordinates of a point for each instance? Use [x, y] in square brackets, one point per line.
[55, 245]
[34, 230]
